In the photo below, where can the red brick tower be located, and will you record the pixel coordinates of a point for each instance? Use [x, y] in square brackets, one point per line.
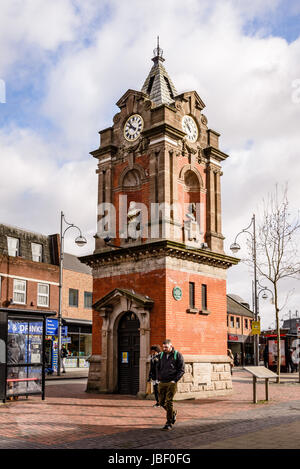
[163, 273]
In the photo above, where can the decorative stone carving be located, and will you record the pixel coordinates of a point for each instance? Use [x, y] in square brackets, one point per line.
[148, 104]
[116, 118]
[204, 119]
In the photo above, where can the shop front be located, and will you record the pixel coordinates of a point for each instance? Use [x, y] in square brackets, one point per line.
[22, 352]
[242, 349]
[77, 339]
[78, 342]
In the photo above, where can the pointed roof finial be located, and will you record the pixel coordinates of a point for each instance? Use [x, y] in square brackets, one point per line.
[158, 53]
[158, 85]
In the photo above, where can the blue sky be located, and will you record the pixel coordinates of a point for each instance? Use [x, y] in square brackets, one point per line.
[67, 62]
[284, 21]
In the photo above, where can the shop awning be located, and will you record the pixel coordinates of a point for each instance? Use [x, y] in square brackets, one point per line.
[81, 322]
[28, 312]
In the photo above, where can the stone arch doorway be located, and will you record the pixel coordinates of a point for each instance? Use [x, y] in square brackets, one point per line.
[103, 371]
[128, 353]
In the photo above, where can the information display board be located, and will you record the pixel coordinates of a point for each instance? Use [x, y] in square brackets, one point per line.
[24, 357]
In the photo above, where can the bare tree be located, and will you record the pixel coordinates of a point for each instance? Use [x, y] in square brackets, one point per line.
[277, 256]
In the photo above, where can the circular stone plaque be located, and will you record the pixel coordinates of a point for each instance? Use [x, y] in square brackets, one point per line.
[177, 293]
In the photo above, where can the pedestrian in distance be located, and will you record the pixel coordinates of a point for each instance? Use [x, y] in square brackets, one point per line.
[230, 355]
[153, 372]
[236, 360]
[266, 357]
[63, 354]
[291, 363]
[170, 370]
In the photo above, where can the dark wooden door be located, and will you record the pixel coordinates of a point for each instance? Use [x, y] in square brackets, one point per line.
[128, 354]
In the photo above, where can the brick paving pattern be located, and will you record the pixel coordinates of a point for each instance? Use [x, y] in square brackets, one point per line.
[70, 418]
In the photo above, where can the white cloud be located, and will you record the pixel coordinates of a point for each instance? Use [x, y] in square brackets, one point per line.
[34, 188]
[98, 52]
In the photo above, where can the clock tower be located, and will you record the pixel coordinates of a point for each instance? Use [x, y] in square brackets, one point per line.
[159, 267]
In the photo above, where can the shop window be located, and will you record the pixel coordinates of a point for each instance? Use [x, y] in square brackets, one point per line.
[231, 321]
[19, 292]
[88, 299]
[43, 294]
[37, 252]
[238, 323]
[73, 297]
[13, 246]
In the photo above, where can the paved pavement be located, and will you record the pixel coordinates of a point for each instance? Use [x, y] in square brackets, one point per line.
[70, 418]
[70, 373]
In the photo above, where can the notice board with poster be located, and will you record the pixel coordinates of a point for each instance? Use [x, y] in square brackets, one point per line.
[272, 347]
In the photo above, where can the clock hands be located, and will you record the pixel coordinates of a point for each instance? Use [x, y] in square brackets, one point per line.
[131, 126]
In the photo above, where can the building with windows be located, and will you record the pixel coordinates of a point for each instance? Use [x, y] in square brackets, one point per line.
[239, 325]
[29, 284]
[29, 276]
[29, 269]
[163, 273]
[77, 300]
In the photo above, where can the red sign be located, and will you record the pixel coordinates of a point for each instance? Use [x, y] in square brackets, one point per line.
[274, 335]
[233, 337]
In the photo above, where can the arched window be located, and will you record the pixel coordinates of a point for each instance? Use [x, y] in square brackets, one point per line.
[131, 179]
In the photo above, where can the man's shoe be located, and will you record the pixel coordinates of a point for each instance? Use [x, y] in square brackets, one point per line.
[174, 417]
[168, 426]
[156, 405]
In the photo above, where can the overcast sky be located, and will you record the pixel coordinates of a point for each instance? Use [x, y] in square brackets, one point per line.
[65, 63]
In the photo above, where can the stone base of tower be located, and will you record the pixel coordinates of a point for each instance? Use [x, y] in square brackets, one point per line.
[95, 378]
[205, 376]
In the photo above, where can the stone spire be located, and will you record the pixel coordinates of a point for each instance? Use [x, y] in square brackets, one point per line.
[158, 85]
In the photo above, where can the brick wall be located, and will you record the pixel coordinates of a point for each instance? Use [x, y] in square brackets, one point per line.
[242, 329]
[33, 273]
[81, 282]
[192, 334]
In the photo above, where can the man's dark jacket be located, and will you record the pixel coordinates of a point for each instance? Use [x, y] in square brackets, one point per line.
[170, 369]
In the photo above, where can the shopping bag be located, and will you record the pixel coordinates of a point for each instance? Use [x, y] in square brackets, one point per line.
[148, 387]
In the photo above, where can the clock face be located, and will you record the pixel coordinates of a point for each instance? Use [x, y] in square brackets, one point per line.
[133, 127]
[190, 128]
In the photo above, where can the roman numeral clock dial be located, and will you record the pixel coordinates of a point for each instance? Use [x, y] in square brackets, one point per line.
[133, 127]
[189, 126]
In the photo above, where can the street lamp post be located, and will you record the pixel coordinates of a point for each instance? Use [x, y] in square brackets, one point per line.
[235, 247]
[80, 241]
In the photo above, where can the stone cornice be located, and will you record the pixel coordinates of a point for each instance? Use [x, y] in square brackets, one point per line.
[164, 128]
[212, 152]
[163, 248]
[108, 149]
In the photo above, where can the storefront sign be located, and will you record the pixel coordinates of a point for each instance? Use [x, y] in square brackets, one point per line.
[16, 327]
[255, 327]
[52, 327]
[233, 338]
[66, 340]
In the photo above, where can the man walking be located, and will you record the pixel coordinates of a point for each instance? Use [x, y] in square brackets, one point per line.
[170, 370]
